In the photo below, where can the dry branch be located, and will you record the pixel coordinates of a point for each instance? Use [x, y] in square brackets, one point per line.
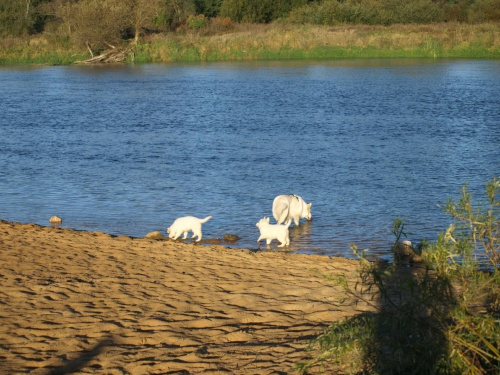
[111, 56]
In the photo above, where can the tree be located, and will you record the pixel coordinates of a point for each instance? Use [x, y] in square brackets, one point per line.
[175, 12]
[209, 8]
[21, 16]
[143, 14]
[96, 24]
[258, 11]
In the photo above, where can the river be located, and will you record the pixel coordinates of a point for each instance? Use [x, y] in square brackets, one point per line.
[126, 149]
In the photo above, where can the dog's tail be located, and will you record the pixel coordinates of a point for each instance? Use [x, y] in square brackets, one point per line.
[205, 219]
[280, 211]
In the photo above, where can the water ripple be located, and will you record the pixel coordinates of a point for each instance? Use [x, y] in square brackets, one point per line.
[127, 150]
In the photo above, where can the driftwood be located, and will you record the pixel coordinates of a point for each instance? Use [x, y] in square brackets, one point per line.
[114, 55]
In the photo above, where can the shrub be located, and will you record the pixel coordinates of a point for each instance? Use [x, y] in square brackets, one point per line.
[95, 24]
[196, 22]
[369, 12]
[210, 8]
[175, 13]
[258, 11]
[316, 14]
[441, 317]
[484, 11]
[22, 17]
[219, 24]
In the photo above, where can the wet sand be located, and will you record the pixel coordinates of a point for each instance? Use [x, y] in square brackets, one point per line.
[90, 303]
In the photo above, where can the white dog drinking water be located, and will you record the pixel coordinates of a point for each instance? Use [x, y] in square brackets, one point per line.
[271, 232]
[288, 207]
[185, 224]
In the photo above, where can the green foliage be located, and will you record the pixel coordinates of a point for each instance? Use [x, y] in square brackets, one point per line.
[11, 18]
[97, 24]
[484, 11]
[258, 11]
[19, 17]
[219, 24]
[209, 8]
[22, 17]
[341, 342]
[474, 237]
[175, 13]
[196, 22]
[276, 42]
[14, 50]
[440, 318]
[368, 12]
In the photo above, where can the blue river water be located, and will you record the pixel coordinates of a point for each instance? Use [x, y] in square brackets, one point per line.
[126, 149]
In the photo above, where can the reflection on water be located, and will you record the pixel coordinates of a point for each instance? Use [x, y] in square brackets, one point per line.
[127, 149]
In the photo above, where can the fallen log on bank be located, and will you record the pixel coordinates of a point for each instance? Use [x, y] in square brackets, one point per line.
[116, 55]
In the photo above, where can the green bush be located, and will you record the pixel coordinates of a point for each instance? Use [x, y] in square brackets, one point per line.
[196, 22]
[209, 8]
[258, 11]
[442, 317]
[325, 13]
[175, 13]
[484, 11]
[218, 24]
[369, 12]
[21, 17]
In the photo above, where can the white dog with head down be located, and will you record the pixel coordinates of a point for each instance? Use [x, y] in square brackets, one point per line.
[271, 232]
[185, 224]
[288, 207]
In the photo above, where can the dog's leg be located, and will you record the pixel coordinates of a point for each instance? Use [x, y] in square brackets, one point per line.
[296, 220]
[185, 235]
[258, 241]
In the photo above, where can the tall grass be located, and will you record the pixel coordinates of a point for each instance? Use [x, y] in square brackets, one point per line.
[442, 317]
[264, 42]
[224, 41]
[40, 50]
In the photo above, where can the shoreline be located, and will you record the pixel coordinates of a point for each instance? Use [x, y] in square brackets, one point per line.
[280, 43]
[96, 303]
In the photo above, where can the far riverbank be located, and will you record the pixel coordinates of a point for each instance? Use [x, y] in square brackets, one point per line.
[277, 42]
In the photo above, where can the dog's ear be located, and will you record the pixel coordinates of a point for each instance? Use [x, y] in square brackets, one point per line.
[309, 207]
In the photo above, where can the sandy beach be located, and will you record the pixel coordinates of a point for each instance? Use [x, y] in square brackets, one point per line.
[91, 303]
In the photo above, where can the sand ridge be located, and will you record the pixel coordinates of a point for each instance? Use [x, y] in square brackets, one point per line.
[90, 303]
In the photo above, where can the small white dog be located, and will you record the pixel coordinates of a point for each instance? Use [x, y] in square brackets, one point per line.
[185, 224]
[288, 207]
[271, 232]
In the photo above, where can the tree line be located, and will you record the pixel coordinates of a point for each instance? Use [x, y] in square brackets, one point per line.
[100, 24]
